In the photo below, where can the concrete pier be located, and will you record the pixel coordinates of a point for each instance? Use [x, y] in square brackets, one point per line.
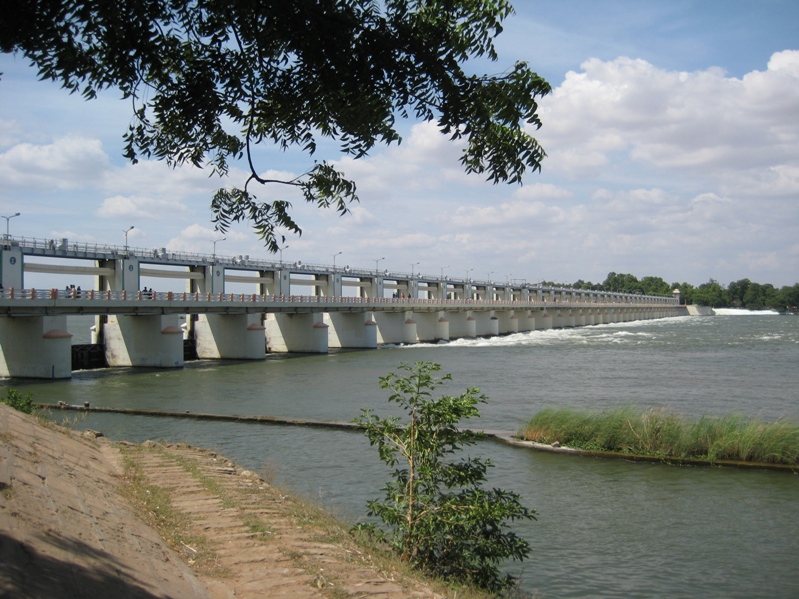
[303, 332]
[153, 341]
[35, 347]
[230, 336]
[351, 330]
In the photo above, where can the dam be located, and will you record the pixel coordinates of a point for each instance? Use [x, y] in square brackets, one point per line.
[292, 307]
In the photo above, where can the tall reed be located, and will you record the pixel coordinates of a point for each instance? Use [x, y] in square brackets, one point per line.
[661, 432]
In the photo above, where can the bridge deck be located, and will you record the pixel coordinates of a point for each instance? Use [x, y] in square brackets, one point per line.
[39, 302]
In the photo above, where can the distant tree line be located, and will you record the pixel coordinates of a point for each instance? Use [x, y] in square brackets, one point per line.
[738, 294]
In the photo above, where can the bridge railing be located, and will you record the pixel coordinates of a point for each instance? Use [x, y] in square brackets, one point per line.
[186, 297]
[63, 248]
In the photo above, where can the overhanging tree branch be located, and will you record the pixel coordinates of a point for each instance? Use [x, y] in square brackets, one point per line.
[223, 77]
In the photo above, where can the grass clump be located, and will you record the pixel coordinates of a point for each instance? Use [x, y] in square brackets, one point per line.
[661, 432]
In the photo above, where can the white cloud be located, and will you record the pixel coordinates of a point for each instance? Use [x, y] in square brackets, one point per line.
[197, 238]
[425, 160]
[10, 132]
[700, 121]
[138, 207]
[543, 192]
[67, 163]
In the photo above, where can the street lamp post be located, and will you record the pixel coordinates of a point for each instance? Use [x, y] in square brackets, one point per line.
[280, 249]
[8, 219]
[126, 231]
[441, 283]
[213, 262]
[215, 241]
[333, 294]
[377, 265]
[411, 288]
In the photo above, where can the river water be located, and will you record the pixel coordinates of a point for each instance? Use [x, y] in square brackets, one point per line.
[604, 528]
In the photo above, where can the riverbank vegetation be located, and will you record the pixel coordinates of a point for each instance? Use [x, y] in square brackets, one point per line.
[744, 293]
[661, 432]
[22, 403]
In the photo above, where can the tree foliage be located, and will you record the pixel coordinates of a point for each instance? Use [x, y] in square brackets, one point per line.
[210, 80]
[441, 518]
[738, 294]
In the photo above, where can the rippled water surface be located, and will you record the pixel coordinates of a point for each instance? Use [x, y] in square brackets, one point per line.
[605, 528]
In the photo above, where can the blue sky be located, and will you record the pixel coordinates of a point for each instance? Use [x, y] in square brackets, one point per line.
[672, 136]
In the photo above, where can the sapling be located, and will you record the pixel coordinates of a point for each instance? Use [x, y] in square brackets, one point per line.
[439, 516]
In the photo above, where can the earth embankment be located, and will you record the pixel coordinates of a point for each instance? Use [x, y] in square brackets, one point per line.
[78, 520]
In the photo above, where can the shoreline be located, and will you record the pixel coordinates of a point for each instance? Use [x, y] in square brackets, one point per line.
[506, 437]
[83, 517]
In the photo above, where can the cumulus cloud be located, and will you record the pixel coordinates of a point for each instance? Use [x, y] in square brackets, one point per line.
[67, 163]
[138, 207]
[693, 121]
[10, 132]
[198, 239]
[156, 179]
[425, 160]
[542, 191]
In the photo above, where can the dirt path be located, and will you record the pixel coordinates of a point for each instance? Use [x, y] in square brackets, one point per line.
[72, 514]
[264, 543]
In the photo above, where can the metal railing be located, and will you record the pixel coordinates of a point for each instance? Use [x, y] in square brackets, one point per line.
[93, 295]
[63, 248]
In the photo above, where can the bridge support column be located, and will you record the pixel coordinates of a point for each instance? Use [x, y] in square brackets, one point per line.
[428, 327]
[151, 341]
[462, 325]
[487, 324]
[527, 321]
[11, 267]
[351, 329]
[508, 322]
[230, 336]
[301, 332]
[390, 327]
[442, 327]
[36, 347]
[410, 333]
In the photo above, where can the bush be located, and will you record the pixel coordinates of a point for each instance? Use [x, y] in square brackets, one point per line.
[15, 399]
[440, 518]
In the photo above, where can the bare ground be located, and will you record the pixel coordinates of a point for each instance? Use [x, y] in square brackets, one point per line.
[78, 518]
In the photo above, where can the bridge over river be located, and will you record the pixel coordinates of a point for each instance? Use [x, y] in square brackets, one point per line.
[293, 307]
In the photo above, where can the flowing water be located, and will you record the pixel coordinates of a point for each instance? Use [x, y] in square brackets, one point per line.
[604, 528]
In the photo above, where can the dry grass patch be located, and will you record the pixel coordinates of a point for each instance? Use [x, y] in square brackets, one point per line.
[154, 504]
